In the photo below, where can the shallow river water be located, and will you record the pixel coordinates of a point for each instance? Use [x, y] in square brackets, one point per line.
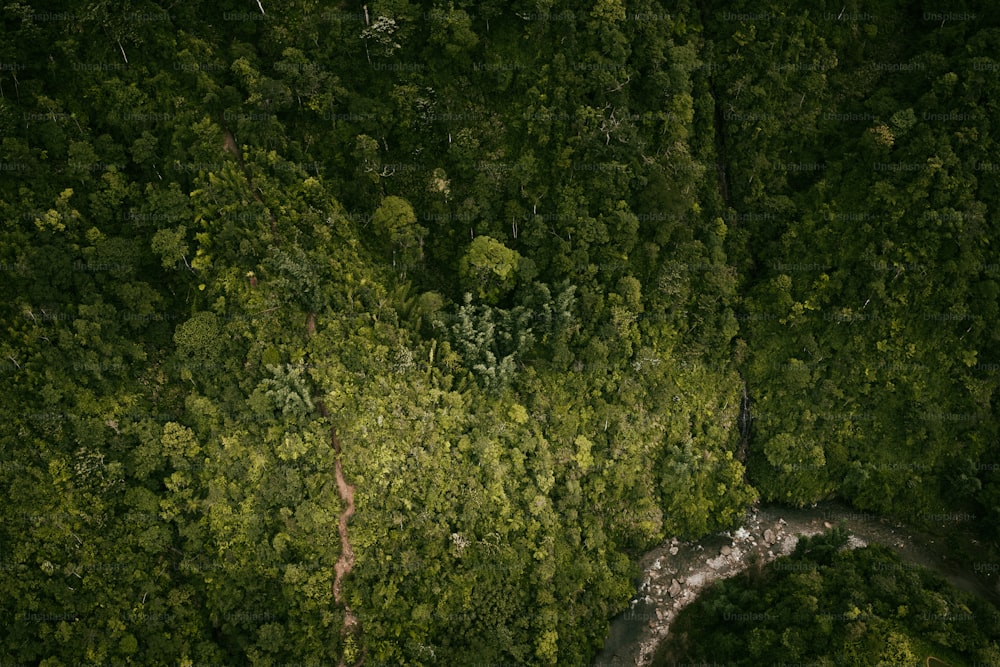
[674, 572]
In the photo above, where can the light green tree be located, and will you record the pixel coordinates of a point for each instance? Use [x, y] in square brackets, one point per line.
[169, 244]
[489, 269]
[396, 223]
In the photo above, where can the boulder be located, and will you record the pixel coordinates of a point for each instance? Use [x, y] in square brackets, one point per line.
[725, 551]
[675, 589]
[769, 537]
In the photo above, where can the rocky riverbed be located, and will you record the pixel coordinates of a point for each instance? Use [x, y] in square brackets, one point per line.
[675, 572]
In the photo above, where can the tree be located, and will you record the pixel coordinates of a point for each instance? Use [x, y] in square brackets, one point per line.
[169, 244]
[199, 345]
[489, 269]
[382, 34]
[452, 29]
[395, 221]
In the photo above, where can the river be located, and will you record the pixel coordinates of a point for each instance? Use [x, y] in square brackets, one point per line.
[675, 572]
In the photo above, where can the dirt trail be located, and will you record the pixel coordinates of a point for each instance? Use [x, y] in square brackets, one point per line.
[345, 562]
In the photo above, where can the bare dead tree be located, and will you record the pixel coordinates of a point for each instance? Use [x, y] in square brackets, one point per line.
[620, 85]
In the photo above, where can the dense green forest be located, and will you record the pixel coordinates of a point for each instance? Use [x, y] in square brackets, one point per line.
[861, 153]
[824, 605]
[565, 279]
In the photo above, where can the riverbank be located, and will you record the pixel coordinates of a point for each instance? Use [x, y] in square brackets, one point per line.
[674, 573]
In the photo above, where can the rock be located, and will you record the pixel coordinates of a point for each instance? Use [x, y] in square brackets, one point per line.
[827, 525]
[725, 551]
[675, 589]
[681, 580]
[768, 536]
[855, 542]
[673, 551]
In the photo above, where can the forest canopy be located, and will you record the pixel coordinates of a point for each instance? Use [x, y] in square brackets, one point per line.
[565, 280]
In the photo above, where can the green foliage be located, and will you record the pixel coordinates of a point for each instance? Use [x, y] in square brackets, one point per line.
[489, 269]
[825, 604]
[395, 221]
[521, 270]
[169, 245]
[198, 339]
[867, 252]
[489, 340]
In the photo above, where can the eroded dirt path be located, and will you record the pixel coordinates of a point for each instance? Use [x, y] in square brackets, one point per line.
[345, 562]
